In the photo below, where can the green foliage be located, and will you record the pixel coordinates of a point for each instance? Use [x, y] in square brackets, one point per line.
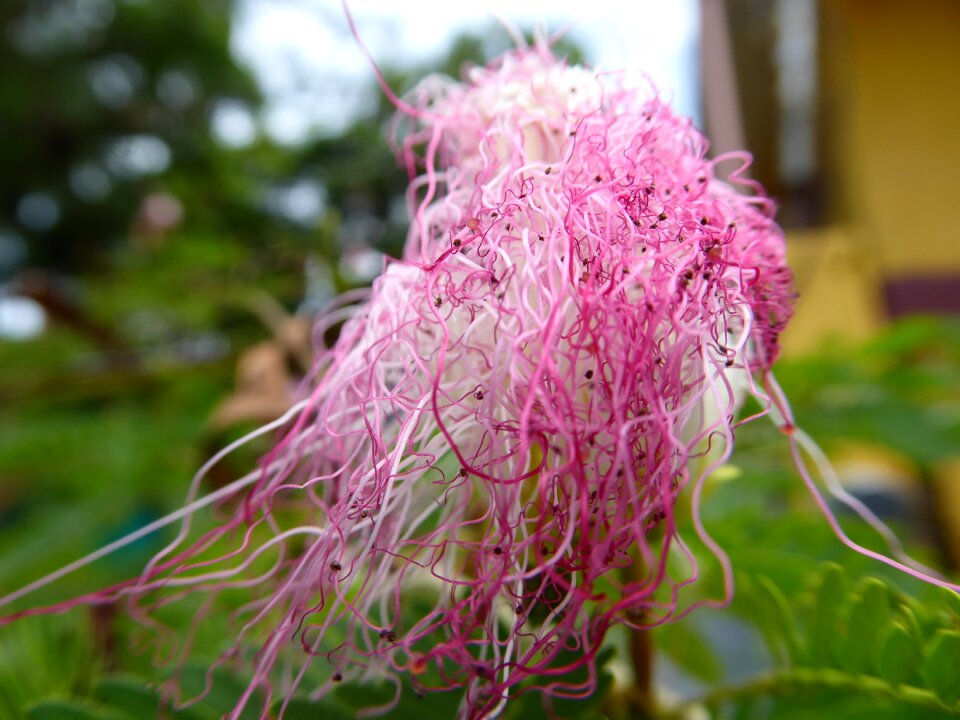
[941, 666]
[899, 654]
[78, 82]
[830, 594]
[687, 648]
[130, 693]
[72, 710]
[900, 391]
[861, 649]
[865, 618]
[30, 648]
[844, 635]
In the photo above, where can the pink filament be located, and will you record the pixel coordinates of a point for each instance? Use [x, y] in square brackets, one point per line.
[504, 426]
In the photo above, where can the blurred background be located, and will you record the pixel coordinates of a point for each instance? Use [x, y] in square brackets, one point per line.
[184, 185]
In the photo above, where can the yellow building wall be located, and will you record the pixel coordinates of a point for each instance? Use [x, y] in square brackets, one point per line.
[898, 116]
[840, 299]
[890, 138]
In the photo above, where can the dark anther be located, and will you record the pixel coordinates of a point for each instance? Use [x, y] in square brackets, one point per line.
[686, 188]
[548, 170]
[704, 220]
[478, 394]
[588, 374]
[438, 301]
[464, 472]
[680, 238]
[729, 362]
[337, 677]
[388, 635]
[688, 275]
[598, 178]
[335, 566]
[498, 550]
[540, 237]
[661, 217]
[456, 242]
[731, 226]
[701, 180]
[519, 608]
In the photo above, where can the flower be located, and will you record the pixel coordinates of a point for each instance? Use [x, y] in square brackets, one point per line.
[482, 476]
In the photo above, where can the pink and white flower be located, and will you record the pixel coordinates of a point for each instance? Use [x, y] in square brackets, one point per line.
[501, 433]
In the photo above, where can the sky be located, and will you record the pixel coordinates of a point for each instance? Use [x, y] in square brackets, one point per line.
[311, 68]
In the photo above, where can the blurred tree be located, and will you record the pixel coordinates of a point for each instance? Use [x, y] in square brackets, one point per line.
[105, 103]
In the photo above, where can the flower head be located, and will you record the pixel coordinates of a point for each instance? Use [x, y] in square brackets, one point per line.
[482, 476]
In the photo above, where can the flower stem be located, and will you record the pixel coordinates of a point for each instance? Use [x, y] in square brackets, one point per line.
[641, 657]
